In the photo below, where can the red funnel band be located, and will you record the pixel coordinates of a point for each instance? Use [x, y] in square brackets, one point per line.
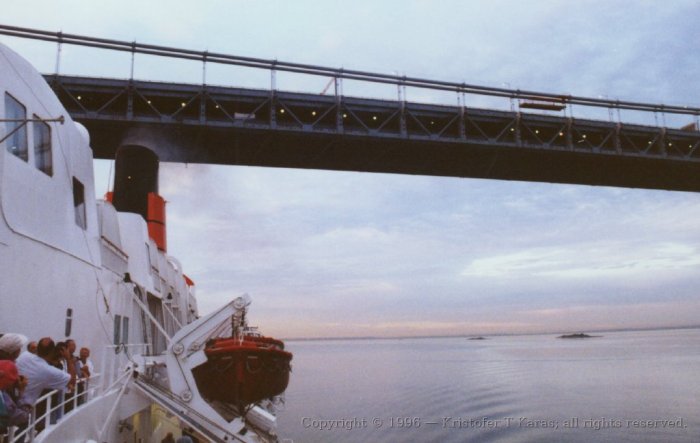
[156, 220]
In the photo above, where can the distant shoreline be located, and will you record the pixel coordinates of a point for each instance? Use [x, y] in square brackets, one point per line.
[467, 336]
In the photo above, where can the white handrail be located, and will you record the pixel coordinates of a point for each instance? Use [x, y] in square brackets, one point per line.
[128, 374]
[46, 417]
[113, 360]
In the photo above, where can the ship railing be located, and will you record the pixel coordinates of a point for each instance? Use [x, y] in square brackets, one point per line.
[50, 408]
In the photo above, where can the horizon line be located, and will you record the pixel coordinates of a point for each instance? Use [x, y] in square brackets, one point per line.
[498, 334]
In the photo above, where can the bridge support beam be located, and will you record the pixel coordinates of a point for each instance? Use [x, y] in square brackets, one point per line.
[207, 124]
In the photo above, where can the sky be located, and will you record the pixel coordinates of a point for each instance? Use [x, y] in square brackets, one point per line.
[340, 254]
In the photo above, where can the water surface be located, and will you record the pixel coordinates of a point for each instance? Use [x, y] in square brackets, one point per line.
[621, 387]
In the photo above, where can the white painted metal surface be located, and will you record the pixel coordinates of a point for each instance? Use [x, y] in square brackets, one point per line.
[103, 284]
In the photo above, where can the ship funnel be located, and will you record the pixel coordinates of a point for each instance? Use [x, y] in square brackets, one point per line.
[136, 189]
[135, 176]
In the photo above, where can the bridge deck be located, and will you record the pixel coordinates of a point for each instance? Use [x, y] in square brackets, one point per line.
[221, 125]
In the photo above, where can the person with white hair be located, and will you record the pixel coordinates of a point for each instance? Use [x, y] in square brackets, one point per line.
[11, 345]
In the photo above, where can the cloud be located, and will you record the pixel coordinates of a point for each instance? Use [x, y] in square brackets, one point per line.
[601, 317]
[589, 261]
[340, 253]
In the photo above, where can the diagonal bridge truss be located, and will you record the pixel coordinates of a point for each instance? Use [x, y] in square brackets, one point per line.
[270, 127]
[183, 104]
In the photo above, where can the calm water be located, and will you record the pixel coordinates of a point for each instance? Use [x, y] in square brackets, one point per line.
[622, 387]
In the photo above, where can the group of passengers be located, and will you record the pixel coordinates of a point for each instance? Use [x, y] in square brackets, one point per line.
[29, 370]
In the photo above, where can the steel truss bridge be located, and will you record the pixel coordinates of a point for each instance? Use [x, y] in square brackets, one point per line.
[236, 126]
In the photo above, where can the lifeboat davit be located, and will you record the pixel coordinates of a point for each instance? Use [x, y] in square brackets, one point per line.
[243, 369]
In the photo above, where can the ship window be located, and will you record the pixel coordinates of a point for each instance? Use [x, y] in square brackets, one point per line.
[148, 254]
[42, 146]
[117, 329]
[69, 322]
[79, 203]
[16, 127]
[125, 330]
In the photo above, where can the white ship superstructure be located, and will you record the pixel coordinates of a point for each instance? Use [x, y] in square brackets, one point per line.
[72, 266]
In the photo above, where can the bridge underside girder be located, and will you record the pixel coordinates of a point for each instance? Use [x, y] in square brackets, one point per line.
[333, 152]
[232, 126]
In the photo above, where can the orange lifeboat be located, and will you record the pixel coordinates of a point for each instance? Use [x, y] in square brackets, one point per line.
[243, 369]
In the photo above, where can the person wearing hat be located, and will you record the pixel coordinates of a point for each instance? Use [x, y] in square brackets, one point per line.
[11, 345]
[11, 414]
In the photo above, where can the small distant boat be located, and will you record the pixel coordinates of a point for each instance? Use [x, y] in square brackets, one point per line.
[245, 368]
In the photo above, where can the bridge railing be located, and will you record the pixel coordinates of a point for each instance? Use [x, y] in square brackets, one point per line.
[526, 99]
[96, 100]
